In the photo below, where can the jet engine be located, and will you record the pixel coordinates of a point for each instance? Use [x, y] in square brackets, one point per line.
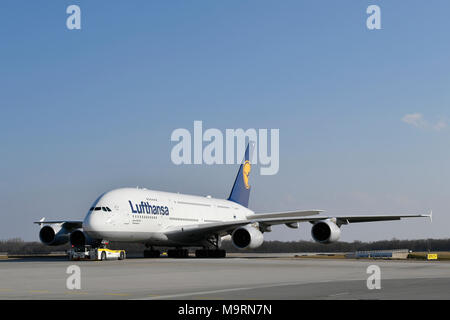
[325, 231]
[53, 235]
[247, 237]
[79, 238]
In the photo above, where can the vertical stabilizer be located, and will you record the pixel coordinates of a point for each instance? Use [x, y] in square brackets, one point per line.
[241, 188]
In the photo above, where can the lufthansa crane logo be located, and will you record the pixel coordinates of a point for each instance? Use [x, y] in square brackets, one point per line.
[246, 172]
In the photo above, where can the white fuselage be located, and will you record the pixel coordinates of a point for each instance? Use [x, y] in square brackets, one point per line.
[142, 215]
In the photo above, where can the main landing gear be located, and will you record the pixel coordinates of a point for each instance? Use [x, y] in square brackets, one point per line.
[207, 253]
[211, 253]
[184, 253]
[150, 253]
[175, 253]
[210, 250]
[178, 253]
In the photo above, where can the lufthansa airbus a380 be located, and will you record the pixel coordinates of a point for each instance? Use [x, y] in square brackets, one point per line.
[181, 221]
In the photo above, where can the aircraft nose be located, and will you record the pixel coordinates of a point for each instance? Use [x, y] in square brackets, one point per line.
[94, 222]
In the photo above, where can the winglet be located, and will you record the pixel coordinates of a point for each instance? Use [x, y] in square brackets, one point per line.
[431, 215]
[41, 222]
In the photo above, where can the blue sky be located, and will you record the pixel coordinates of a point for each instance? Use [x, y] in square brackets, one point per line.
[89, 110]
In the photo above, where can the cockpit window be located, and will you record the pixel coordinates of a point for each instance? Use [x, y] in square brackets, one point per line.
[106, 209]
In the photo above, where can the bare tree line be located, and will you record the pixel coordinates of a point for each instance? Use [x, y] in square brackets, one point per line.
[310, 246]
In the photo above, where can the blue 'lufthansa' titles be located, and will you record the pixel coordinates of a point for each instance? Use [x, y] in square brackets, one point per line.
[145, 207]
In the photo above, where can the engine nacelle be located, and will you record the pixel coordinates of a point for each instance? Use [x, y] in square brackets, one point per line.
[325, 231]
[247, 237]
[53, 235]
[79, 238]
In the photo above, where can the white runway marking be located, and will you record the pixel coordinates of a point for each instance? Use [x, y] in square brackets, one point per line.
[339, 294]
[187, 294]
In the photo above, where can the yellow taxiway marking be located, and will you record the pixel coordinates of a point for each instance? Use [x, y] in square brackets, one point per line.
[76, 292]
[117, 294]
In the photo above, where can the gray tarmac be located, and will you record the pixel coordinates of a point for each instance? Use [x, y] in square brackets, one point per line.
[244, 276]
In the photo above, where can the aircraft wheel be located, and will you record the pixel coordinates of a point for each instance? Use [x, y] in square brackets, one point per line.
[178, 253]
[155, 253]
[221, 253]
[202, 253]
[152, 253]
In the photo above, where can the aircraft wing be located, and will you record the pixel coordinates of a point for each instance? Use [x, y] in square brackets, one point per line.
[284, 214]
[67, 224]
[340, 220]
[356, 219]
[199, 231]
